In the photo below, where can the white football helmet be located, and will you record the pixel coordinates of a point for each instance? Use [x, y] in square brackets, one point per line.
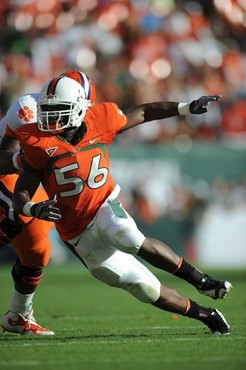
[85, 81]
[62, 104]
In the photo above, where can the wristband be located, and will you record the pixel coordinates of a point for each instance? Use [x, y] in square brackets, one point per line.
[16, 159]
[184, 109]
[27, 209]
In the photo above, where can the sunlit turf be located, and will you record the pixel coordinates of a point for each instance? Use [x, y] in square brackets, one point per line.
[99, 327]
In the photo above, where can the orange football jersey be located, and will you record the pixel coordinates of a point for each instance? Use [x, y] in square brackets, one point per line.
[79, 174]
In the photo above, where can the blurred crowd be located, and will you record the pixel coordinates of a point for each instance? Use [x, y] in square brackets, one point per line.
[136, 51]
[139, 51]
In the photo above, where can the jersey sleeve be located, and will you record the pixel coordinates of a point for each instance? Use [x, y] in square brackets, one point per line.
[21, 112]
[31, 142]
[109, 120]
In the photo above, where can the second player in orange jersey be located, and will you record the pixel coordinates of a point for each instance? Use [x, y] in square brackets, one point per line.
[28, 235]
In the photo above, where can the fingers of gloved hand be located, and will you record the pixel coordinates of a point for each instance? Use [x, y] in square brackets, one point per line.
[214, 97]
[53, 212]
[53, 215]
[45, 211]
[204, 100]
[48, 214]
[199, 106]
[208, 98]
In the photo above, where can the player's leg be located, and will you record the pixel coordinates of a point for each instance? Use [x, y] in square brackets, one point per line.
[171, 300]
[100, 249]
[33, 249]
[122, 270]
[114, 224]
[161, 256]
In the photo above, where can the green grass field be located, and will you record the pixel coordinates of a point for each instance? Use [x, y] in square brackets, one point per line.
[98, 327]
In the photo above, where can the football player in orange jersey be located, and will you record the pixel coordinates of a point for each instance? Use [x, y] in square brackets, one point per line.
[28, 235]
[68, 152]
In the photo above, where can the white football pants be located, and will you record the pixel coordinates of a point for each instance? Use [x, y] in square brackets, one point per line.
[107, 247]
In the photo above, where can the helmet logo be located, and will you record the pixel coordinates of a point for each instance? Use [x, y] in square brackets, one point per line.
[26, 113]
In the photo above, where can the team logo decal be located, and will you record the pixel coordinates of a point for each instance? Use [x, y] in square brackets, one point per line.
[26, 113]
[51, 151]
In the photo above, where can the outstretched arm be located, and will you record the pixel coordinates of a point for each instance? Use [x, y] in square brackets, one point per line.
[159, 110]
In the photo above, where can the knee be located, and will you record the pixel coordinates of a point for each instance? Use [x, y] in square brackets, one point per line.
[147, 291]
[144, 292]
[26, 279]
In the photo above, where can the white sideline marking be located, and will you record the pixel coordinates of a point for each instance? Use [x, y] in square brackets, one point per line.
[149, 328]
[19, 363]
[89, 341]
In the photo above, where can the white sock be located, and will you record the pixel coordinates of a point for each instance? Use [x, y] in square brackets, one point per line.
[21, 303]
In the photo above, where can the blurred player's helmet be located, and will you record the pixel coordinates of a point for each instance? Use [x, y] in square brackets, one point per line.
[62, 104]
[86, 82]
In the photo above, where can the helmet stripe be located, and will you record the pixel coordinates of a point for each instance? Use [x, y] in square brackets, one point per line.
[86, 84]
[52, 85]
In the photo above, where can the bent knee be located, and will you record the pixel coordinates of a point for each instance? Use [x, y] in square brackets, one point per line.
[146, 293]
